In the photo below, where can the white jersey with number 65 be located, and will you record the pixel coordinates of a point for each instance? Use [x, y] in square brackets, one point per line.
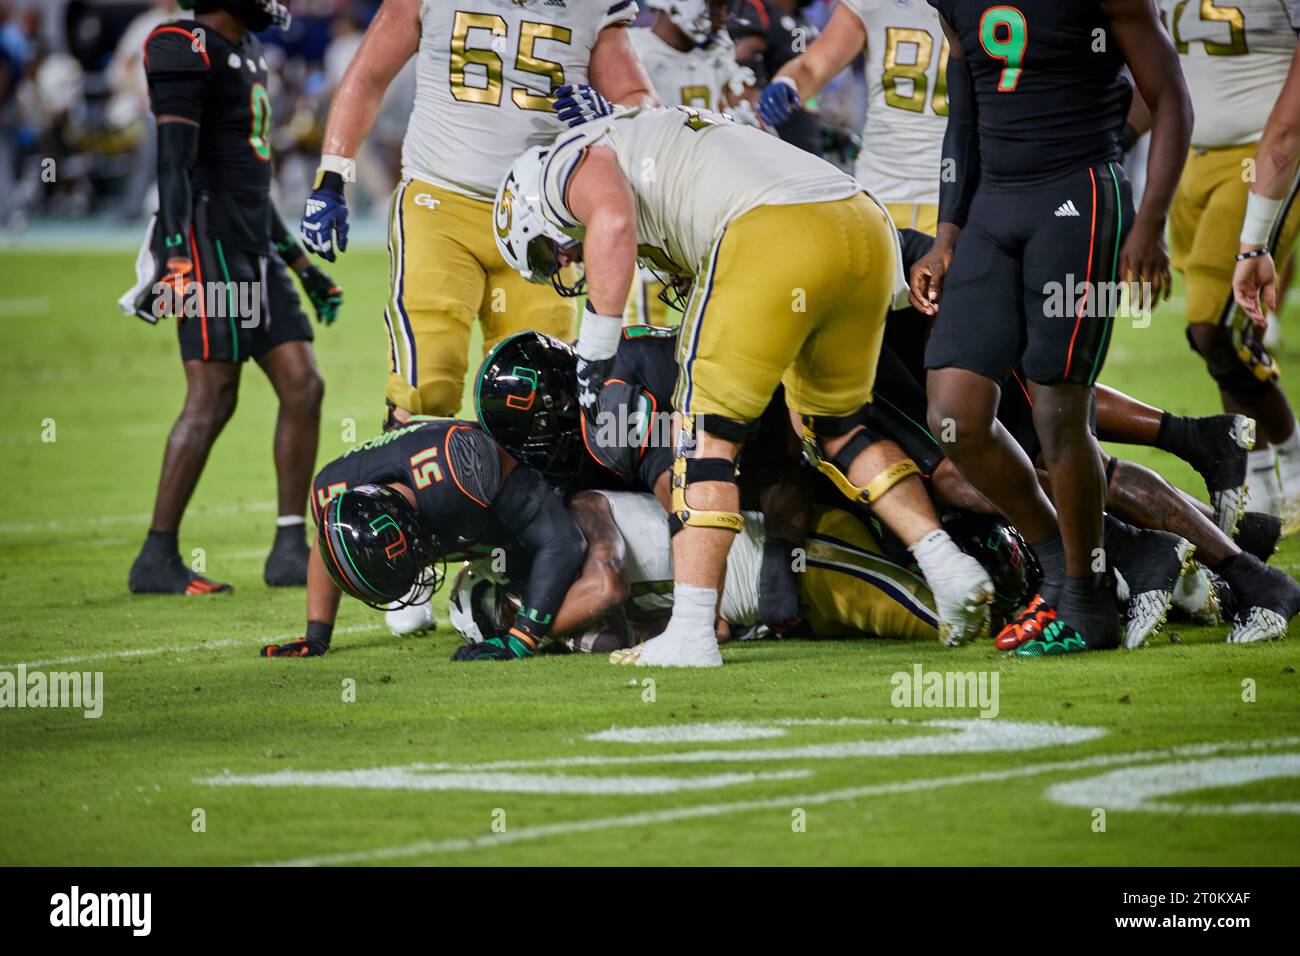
[907, 100]
[485, 70]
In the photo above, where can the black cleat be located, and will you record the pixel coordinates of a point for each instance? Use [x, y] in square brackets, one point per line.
[1266, 600]
[286, 565]
[170, 576]
[1152, 562]
[1258, 534]
[1221, 444]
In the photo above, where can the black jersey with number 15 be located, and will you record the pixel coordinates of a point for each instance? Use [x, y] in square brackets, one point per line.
[1049, 85]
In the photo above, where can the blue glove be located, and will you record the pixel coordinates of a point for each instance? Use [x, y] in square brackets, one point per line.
[578, 103]
[325, 218]
[778, 100]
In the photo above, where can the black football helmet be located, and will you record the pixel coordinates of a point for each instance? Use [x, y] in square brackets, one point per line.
[258, 15]
[375, 548]
[527, 400]
[1005, 555]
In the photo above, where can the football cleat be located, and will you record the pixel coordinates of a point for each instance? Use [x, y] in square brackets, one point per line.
[1258, 534]
[963, 595]
[1222, 443]
[1152, 562]
[675, 647]
[171, 576]
[1058, 638]
[414, 617]
[286, 565]
[1266, 602]
[1197, 596]
[1028, 626]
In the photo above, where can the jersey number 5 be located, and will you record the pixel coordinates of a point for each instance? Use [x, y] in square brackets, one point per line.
[489, 65]
[1004, 34]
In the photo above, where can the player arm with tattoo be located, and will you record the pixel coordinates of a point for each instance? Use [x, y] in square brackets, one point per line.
[597, 595]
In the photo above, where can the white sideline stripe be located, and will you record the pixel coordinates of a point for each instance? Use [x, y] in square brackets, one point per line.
[178, 648]
[426, 847]
[57, 524]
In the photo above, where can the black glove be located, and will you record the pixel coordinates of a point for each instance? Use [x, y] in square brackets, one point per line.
[324, 295]
[506, 648]
[302, 647]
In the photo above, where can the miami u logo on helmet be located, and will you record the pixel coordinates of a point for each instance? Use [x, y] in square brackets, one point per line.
[397, 547]
[523, 402]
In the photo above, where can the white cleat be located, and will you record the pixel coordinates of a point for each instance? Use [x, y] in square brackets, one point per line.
[1197, 596]
[415, 618]
[963, 596]
[1257, 624]
[673, 648]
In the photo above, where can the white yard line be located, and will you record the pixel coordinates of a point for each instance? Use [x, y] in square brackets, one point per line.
[181, 648]
[428, 847]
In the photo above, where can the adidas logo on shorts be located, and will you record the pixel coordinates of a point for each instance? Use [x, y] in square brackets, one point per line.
[1066, 208]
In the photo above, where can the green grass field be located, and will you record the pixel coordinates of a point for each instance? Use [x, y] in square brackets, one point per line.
[791, 754]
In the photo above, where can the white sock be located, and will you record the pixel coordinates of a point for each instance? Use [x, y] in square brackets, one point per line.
[1288, 461]
[694, 607]
[290, 521]
[1261, 460]
[934, 551]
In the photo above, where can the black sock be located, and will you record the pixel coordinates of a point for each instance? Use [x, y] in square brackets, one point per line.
[1051, 558]
[160, 545]
[1089, 607]
[291, 535]
[1175, 435]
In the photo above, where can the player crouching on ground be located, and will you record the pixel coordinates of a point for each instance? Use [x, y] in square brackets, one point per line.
[794, 267]
[207, 261]
[394, 507]
[849, 587]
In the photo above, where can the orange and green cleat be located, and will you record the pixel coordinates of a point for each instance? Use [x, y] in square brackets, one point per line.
[1028, 626]
[1058, 638]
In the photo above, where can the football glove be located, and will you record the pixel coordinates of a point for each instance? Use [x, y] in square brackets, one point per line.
[324, 295]
[507, 648]
[578, 103]
[302, 647]
[778, 101]
[177, 275]
[325, 219]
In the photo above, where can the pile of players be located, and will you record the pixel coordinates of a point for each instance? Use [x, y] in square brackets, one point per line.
[800, 455]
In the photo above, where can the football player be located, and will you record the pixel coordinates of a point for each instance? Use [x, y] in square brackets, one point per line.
[907, 98]
[768, 34]
[492, 78]
[1235, 58]
[392, 509]
[849, 587]
[794, 266]
[215, 258]
[1037, 102]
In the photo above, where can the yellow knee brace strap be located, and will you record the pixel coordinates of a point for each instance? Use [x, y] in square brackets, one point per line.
[869, 493]
[687, 516]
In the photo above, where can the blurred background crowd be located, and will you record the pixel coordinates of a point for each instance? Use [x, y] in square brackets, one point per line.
[77, 136]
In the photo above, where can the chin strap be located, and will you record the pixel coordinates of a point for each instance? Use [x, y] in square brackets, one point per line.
[687, 470]
[836, 468]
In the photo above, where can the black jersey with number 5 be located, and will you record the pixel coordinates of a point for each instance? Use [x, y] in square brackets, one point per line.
[197, 74]
[1049, 85]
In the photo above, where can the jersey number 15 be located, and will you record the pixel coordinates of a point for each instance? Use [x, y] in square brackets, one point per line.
[489, 64]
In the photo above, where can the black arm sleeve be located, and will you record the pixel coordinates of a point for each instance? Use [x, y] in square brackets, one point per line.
[177, 67]
[178, 150]
[961, 147]
[535, 514]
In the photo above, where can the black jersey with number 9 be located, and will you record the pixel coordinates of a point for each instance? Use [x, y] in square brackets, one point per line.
[1049, 85]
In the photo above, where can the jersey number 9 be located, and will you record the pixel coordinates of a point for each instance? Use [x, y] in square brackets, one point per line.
[490, 65]
[1004, 34]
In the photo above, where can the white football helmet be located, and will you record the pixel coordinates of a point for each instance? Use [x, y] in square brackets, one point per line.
[701, 20]
[528, 242]
[481, 604]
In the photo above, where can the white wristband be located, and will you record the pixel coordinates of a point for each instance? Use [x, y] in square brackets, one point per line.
[345, 167]
[599, 335]
[1261, 214]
